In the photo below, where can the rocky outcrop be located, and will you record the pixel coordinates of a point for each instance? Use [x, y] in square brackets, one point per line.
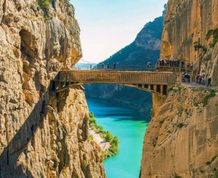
[181, 140]
[191, 34]
[42, 133]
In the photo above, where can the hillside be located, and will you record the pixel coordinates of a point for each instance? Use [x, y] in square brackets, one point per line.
[146, 47]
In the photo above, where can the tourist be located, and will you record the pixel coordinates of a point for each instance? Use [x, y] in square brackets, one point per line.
[186, 77]
[198, 78]
[203, 82]
[209, 82]
[54, 4]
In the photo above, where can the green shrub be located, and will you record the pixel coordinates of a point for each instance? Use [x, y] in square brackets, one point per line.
[90, 138]
[44, 4]
[113, 149]
[91, 115]
[212, 93]
[114, 146]
[108, 136]
[115, 140]
[100, 129]
[213, 33]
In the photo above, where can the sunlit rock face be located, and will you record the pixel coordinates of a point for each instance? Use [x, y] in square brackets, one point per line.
[182, 138]
[42, 133]
[191, 33]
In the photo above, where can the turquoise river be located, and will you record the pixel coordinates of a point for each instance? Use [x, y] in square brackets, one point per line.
[129, 127]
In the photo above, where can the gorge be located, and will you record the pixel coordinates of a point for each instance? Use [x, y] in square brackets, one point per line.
[45, 132]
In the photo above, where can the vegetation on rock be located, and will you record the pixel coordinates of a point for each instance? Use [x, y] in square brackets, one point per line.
[108, 136]
[214, 34]
[211, 94]
[44, 5]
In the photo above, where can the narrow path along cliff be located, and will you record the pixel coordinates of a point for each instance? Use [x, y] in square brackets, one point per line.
[182, 140]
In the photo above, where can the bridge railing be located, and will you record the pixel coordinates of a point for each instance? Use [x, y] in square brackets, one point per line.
[118, 77]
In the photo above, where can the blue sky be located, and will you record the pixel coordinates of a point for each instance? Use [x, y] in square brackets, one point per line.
[109, 25]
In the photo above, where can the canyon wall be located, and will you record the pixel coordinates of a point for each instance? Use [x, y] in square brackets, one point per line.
[191, 33]
[43, 133]
[182, 138]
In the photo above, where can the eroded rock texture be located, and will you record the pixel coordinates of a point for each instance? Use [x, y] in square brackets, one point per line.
[191, 34]
[42, 133]
[182, 139]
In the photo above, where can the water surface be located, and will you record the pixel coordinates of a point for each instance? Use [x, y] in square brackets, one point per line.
[129, 127]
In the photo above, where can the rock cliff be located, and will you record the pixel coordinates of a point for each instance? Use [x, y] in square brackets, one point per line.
[191, 33]
[182, 138]
[42, 133]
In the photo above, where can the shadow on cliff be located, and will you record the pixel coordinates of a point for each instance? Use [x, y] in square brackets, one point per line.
[9, 166]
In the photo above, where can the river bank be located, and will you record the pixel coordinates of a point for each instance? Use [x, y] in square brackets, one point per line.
[130, 128]
[106, 140]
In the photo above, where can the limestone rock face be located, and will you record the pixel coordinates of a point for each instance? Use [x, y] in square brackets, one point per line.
[42, 133]
[191, 34]
[182, 139]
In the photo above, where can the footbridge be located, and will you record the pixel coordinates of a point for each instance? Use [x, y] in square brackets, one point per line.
[157, 82]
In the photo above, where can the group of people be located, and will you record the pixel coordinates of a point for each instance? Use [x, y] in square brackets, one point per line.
[174, 63]
[170, 63]
[108, 66]
[202, 80]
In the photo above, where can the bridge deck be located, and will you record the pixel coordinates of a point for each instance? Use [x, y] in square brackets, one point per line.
[117, 77]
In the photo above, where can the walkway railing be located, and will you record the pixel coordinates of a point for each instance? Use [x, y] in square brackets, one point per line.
[158, 82]
[119, 77]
